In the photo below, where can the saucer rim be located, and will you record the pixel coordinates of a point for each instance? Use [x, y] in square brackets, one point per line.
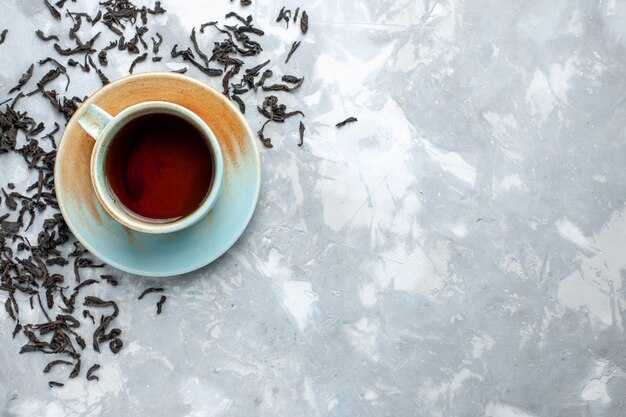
[73, 124]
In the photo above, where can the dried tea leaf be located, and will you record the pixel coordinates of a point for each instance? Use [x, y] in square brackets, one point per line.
[75, 370]
[284, 87]
[54, 363]
[240, 103]
[103, 78]
[149, 291]
[291, 79]
[116, 345]
[90, 376]
[156, 43]
[294, 46]
[304, 22]
[345, 122]
[53, 11]
[91, 301]
[301, 131]
[23, 79]
[109, 279]
[137, 60]
[87, 313]
[160, 304]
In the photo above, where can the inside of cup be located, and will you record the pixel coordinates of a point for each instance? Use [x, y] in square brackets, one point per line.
[114, 135]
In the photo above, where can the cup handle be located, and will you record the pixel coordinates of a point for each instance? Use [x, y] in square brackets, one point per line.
[94, 120]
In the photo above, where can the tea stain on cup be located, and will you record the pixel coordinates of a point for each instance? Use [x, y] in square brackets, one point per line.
[130, 235]
[77, 162]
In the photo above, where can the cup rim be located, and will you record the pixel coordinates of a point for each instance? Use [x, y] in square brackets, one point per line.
[98, 177]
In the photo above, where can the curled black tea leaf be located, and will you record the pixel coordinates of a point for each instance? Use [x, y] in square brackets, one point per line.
[345, 122]
[80, 341]
[53, 11]
[11, 205]
[294, 46]
[149, 291]
[301, 131]
[16, 330]
[102, 55]
[276, 112]
[304, 22]
[86, 48]
[9, 308]
[237, 89]
[99, 332]
[156, 43]
[87, 313]
[284, 15]
[3, 36]
[55, 384]
[90, 376]
[43, 37]
[246, 22]
[256, 69]
[23, 79]
[51, 75]
[157, 8]
[137, 60]
[77, 23]
[139, 32]
[54, 363]
[205, 25]
[284, 87]
[160, 303]
[85, 283]
[196, 47]
[116, 345]
[266, 113]
[75, 370]
[97, 18]
[187, 55]
[109, 279]
[80, 262]
[267, 142]
[113, 334]
[103, 78]
[266, 74]
[287, 17]
[240, 103]
[91, 301]
[226, 80]
[291, 79]
[73, 63]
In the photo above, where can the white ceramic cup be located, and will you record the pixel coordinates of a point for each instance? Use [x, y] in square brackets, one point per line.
[103, 128]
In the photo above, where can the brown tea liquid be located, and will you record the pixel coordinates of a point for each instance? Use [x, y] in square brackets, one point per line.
[160, 167]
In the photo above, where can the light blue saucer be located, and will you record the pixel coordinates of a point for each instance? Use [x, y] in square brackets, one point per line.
[179, 252]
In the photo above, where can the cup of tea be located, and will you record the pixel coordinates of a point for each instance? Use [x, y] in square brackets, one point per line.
[156, 167]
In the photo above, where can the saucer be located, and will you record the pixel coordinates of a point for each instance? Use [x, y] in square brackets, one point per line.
[173, 253]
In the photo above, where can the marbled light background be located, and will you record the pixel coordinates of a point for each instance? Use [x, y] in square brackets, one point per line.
[457, 252]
